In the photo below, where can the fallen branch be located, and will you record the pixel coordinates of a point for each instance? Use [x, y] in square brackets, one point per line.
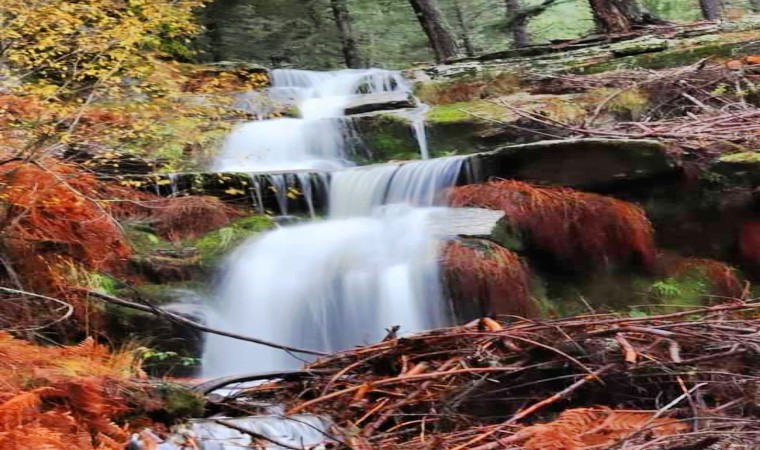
[176, 318]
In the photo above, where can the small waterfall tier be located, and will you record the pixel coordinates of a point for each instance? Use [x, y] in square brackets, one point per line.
[331, 285]
[316, 139]
[361, 190]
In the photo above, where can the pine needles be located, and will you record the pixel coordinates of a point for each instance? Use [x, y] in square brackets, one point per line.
[581, 230]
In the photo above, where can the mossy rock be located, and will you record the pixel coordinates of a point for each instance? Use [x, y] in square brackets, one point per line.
[584, 163]
[738, 169]
[218, 243]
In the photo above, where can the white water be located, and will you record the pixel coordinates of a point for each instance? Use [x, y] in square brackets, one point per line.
[326, 286]
[359, 191]
[330, 285]
[300, 431]
[316, 140]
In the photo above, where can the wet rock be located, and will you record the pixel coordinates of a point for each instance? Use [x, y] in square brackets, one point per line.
[280, 192]
[469, 222]
[739, 168]
[585, 163]
[361, 104]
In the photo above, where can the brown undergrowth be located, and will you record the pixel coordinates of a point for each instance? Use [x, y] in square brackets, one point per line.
[580, 230]
[588, 382]
[490, 278]
[189, 217]
[54, 229]
[724, 281]
[63, 398]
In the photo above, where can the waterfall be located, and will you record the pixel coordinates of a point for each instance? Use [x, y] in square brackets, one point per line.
[315, 140]
[333, 284]
[359, 191]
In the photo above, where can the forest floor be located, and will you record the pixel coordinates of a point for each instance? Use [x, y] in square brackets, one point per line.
[685, 380]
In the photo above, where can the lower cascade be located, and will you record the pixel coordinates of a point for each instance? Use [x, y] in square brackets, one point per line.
[329, 285]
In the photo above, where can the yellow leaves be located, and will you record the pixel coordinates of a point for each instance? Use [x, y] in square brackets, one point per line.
[233, 191]
[81, 41]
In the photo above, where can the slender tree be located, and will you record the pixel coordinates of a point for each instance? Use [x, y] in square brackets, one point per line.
[441, 40]
[517, 22]
[711, 9]
[618, 16]
[346, 33]
[465, 33]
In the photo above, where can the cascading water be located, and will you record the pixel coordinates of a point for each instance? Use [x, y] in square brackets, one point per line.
[316, 140]
[330, 285]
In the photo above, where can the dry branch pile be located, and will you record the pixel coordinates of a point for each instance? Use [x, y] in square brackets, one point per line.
[708, 105]
[678, 380]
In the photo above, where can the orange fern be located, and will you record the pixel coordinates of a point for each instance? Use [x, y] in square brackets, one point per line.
[724, 280]
[588, 231]
[75, 403]
[580, 428]
[492, 277]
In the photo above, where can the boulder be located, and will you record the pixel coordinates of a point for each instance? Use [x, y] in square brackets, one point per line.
[465, 222]
[577, 163]
[361, 104]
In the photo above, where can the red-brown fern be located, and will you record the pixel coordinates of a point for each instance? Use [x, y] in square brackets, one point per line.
[53, 224]
[749, 244]
[587, 231]
[190, 217]
[75, 400]
[724, 280]
[490, 276]
[579, 428]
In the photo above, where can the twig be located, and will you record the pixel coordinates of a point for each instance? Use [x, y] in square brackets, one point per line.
[254, 434]
[160, 312]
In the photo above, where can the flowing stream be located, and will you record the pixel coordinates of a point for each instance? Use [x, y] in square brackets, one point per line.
[336, 283]
[316, 139]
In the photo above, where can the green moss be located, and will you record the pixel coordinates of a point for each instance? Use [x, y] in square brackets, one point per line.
[685, 291]
[219, 242]
[743, 157]
[458, 112]
[728, 45]
[180, 402]
[449, 113]
[143, 241]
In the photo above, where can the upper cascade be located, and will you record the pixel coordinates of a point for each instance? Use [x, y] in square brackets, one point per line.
[317, 139]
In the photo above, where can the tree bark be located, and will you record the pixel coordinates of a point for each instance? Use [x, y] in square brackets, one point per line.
[617, 16]
[518, 23]
[464, 28]
[711, 9]
[441, 40]
[754, 5]
[346, 33]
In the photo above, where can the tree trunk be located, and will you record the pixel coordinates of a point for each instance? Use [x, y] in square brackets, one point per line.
[346, 33]
[754, 5]
[711, 9]
[617, 16]
[518, 23]
[441, 41]
[464, 28]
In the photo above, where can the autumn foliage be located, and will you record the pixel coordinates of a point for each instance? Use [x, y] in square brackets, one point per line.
[723, 279]
[583, 428]
[491, 277]
[63, 398]
[55, 227]
[189, 217]
[581, 230]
